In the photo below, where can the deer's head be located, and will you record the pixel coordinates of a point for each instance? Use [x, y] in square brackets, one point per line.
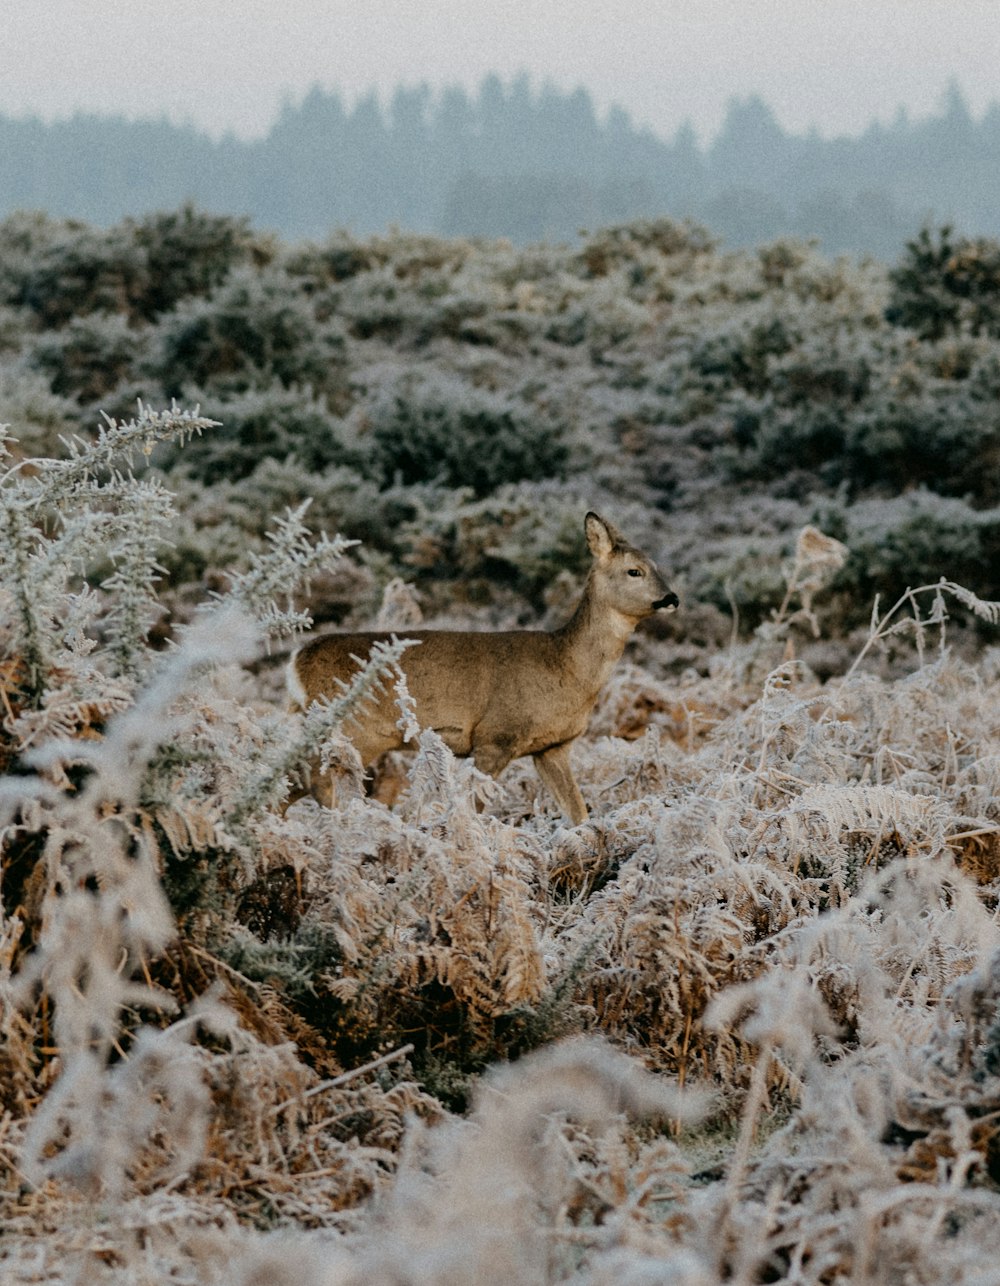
[623, 578]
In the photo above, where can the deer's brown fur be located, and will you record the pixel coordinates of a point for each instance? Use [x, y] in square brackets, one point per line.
[500, 695]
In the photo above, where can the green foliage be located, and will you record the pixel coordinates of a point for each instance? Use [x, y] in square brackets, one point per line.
[253, 330]
[272, 423]
[462, 437]
[945, 283]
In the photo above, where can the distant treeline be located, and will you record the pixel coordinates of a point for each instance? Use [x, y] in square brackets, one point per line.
[519, 162]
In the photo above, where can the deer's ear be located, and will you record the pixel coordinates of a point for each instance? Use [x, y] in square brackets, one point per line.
[600, 535]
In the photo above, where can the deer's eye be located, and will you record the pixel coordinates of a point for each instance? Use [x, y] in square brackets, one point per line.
[636, 571]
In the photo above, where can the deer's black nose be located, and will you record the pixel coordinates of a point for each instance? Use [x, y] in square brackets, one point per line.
[668, 600]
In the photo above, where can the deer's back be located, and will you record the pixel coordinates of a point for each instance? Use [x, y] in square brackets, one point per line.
[470, 686]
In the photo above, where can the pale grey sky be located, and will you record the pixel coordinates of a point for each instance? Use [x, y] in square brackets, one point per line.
[227, 64]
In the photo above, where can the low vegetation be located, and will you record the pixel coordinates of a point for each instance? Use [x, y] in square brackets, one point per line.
[742, 1025]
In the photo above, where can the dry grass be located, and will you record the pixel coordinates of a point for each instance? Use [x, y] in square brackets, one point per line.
[795, 911]
[240, 1046]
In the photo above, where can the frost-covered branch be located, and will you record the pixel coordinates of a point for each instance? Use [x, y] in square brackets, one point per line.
[58, 516]
[268, 784]
[116, 445]
[132, 585]
[268, 589]
[889, 622]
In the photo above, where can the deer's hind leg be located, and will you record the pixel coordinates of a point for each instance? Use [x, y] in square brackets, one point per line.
[555, 771]
[323, 785]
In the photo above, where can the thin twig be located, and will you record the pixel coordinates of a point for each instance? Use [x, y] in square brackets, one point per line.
[337, 1081]
[221, 964]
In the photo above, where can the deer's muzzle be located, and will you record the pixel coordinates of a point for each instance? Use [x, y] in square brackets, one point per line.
[668, 600]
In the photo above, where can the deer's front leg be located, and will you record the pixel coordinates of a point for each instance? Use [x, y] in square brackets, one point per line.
[554, 770]
[491, 757]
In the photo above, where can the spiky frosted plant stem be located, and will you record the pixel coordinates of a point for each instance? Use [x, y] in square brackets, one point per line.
[133, 583]
[280, 571]
[17, 548]
[269, 784]
[60, 480]
[38, 565]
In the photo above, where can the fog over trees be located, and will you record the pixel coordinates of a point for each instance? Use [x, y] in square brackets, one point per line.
[519, 161]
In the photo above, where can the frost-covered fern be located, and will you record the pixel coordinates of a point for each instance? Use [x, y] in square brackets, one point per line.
[218, 1019]
[114, 779]
[60, 517]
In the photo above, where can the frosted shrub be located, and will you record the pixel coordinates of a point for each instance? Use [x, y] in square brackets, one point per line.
[945, 282]
[925, 431]
[190, 252]
[90, 356]
[526, 534]
[59, 516]
[643, 362]
[252, 330]
[62, 269]
[77, 270]
[614, 247]
[24, 236]
[436, 431]
[109, 746]
[41, 417]
[338, 258]
[270, 424]
[918, 538]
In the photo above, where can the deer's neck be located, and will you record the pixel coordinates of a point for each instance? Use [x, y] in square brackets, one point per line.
[592, 641]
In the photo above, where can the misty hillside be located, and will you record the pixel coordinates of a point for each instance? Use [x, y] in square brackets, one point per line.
[458, 406]
[512, 161]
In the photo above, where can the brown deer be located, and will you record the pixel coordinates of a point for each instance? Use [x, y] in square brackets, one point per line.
[500, 695]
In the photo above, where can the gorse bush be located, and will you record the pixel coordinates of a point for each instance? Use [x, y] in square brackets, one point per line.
[945, 283]
[252, 331]
[190, 252]
[461, 437]
[624, 245]
[78, 272]
[273, 423]
[642, 365]
[90, 357]
[64, 270]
